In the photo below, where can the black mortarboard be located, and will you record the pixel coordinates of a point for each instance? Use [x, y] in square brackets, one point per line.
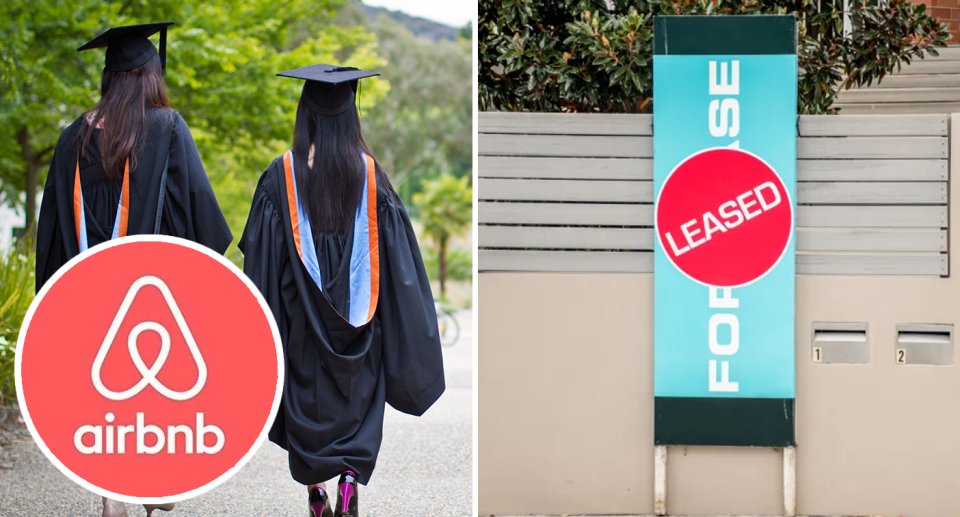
[329, 89]
[128, 46]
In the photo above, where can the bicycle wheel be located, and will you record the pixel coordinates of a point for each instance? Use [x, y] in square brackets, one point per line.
[449, 328]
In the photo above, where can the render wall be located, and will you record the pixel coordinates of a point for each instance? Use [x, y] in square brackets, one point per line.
[566, 403]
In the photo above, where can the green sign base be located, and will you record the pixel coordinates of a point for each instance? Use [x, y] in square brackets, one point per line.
[746, 422]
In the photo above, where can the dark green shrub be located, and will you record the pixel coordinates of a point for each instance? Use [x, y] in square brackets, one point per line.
[576, 55]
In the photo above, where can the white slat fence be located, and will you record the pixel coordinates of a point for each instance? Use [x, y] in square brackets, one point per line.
[928, 85]
[574, 193]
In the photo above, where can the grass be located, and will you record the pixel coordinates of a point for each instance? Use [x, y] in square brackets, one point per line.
[16, 293]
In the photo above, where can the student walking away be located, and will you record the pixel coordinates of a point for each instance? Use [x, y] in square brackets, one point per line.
[128, 166]
[330, 246]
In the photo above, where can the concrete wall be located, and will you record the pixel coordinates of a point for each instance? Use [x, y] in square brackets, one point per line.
[566, 403]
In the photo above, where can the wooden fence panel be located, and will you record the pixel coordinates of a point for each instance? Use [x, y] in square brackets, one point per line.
[574, 193]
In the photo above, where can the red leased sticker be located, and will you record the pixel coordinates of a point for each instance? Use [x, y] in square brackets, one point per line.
[724, 217]
[149, 369]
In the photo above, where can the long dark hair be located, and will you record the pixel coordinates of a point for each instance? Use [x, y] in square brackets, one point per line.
[124, 97]
[330, 190]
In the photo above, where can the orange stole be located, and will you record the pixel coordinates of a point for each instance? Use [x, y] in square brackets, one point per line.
[373, 233]
[124, 200]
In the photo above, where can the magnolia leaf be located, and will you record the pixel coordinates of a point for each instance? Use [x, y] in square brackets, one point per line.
[604, 43]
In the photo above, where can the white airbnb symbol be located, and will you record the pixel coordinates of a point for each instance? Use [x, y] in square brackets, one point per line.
[149, 375]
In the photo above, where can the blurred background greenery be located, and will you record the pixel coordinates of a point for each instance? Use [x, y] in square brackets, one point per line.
[16, 293]
[222, 60]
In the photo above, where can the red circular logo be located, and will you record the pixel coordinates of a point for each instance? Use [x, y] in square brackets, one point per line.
[149, 369]
[723, 217]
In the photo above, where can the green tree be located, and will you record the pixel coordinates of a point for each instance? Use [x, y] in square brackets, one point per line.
[424, 127]
[222, 57]
[580, 55]
[446, 210]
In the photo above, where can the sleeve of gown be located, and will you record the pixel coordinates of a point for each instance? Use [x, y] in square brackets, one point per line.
[208, 224]
[412, 358]
[263, 253]
[50, 251]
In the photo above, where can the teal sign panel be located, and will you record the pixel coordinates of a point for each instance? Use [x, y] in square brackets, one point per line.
[725, 172]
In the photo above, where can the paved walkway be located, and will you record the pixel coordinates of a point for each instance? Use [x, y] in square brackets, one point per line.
[424, 469]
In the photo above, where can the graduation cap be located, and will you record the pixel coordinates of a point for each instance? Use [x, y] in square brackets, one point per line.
[329, 89]
[128, 46]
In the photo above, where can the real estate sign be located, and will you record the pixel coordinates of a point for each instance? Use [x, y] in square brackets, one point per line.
[725, 172]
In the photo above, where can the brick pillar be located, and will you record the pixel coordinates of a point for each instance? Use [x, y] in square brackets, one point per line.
[947, 11]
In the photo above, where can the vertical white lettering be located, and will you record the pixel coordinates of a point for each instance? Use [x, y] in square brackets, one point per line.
[718, 125]
[722, 298]
[731, 322]
[724, 384]
[724, 121]
[731, 108]
[725, 86]
[728, 123]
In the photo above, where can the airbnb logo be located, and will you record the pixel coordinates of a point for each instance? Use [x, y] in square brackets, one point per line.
[112, 439]
[149, 375]
[116, 437]
[149, 355]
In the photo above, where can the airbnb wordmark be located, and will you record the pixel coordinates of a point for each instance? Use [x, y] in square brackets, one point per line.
[149, 369]
[724, 217]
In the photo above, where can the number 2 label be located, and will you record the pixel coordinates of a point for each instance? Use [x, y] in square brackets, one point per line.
[901, 356]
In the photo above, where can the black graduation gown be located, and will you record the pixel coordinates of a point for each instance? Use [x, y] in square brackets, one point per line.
[338, 377]
[190, 208]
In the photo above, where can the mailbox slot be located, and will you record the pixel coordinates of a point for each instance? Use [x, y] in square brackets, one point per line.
[840, 343]
[924, 344]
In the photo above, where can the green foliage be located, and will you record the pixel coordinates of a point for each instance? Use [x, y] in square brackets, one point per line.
[459, 263]
[222, 60]
[575, 55]
[466, 32]
[16, 293]
[222, 57]
[424, 126]
[446, 211]
[234, 185]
